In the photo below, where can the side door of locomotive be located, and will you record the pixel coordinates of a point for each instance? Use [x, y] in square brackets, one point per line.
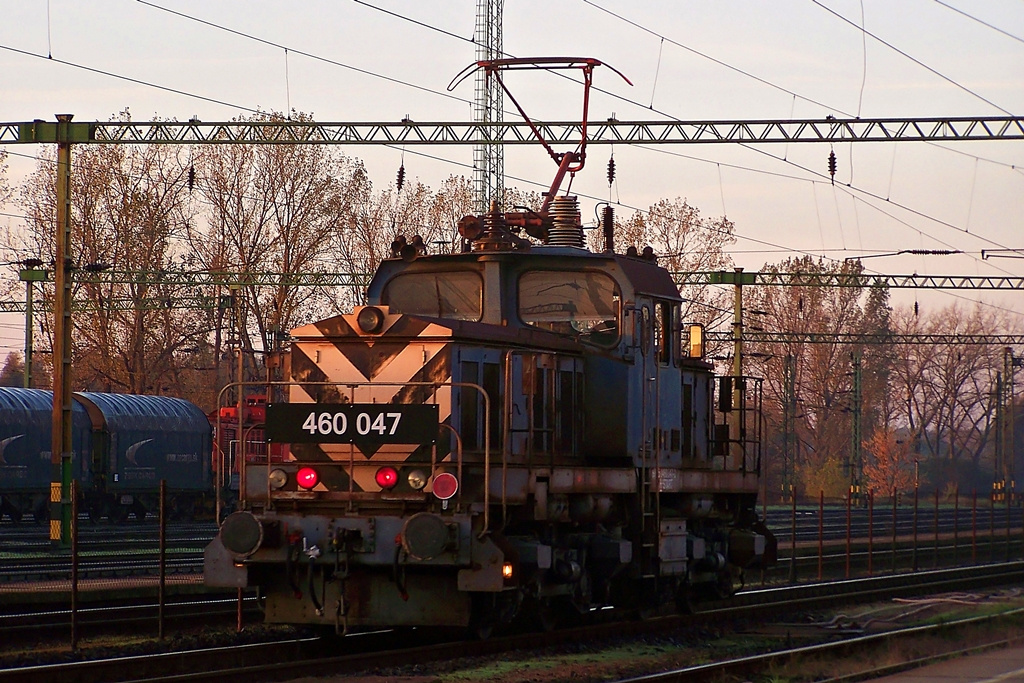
[482, 367]
[658, 340]
[648, 378]
[668, 427]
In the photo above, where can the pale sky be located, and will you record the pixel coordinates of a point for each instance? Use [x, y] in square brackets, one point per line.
[727, 59]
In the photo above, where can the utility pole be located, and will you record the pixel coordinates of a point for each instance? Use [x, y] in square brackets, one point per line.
[1009, 450]
[29, 274]
[788, 420]
[488, 152]
[60, 443]
[856, 464]
[1004, 463]
[999, 459]
[736, 429]
[737, 325]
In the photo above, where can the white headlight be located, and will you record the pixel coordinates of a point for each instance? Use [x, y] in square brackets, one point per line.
[278, 478]
[417, 479]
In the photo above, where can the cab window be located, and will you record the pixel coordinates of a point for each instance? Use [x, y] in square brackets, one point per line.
[454, 295]
[581, 304]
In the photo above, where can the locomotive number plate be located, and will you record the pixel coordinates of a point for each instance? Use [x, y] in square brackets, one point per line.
[351, 423]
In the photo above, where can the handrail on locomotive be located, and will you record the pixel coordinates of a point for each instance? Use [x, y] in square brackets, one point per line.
[240, 456]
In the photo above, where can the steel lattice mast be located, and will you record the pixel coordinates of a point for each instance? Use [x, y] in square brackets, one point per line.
[488, 152]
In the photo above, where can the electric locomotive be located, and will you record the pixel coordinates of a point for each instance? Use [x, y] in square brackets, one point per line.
[567, 454]
[520, 429]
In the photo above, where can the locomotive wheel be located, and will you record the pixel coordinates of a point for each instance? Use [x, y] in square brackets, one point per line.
[13, 512]
[483, 616]
[544, 614]
[138, 510]
[95, 512]
[184, 509]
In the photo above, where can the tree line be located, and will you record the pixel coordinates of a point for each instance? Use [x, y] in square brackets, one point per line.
[274, 210]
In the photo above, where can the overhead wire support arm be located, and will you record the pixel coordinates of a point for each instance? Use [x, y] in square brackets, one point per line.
[830, 130]
[758, 337]
[850, 280]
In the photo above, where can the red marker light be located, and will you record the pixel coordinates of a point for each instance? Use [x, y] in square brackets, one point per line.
[387, 477]
[445, 485]
[306, 478]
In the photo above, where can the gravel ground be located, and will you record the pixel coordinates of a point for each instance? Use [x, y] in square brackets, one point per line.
[618, 658]
[625, 658]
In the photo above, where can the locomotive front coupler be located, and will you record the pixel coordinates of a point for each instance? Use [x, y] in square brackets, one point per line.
[342, 542]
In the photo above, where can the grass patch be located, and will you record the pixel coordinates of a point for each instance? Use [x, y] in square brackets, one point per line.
[595, 663]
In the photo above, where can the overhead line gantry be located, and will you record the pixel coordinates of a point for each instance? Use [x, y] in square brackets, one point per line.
[610, 131]
[202, 278]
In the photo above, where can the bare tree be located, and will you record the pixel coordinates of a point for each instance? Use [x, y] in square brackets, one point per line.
[948, 388]
[823, 369]
[128, 212]
[13, 372]
[273, 210]
[890, 467]
[452, 201]
[5, 189]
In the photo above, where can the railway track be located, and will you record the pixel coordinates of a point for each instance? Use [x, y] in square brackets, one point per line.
[129, 550]
[296, 658]
[136, 616]
[23, 569]
[753, 665]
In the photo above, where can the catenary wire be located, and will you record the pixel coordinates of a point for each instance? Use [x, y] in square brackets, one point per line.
[876, 196]
[433, 28]
[129, 79]
[310, 55]
[983, 23]
[712, 59]
[911, 58]
[663, 38]
[200, 97]
[795, 95]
